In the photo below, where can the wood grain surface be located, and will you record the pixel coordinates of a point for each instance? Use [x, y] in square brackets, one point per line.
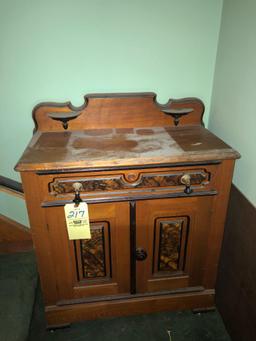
[102, 148]
[155, 244]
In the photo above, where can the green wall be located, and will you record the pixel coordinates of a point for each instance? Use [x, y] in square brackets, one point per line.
[233, 112]
[59, 50]
[13, 207]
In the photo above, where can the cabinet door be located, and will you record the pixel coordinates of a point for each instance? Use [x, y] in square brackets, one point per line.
[173, 233]
[97, 266]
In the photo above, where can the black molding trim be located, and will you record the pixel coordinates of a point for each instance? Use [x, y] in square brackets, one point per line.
[76, 260]
[99, 169]
[130, 297]
[11, 184]
[129, 198]
[133, 247]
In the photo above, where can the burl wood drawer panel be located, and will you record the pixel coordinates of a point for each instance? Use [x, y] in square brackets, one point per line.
[132, 182]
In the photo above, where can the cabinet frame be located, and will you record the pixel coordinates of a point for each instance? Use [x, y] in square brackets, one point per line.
[186, 298]
[125, 134]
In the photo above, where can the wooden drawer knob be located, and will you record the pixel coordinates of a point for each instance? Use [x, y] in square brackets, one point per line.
[141, 254]
[77, 188]
[186, 180]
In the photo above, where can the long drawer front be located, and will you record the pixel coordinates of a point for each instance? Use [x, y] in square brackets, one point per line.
[132, 183]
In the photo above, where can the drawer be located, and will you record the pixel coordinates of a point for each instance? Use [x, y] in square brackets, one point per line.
[129, 182]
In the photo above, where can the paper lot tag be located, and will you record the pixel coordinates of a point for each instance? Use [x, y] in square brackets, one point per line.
[77, 219]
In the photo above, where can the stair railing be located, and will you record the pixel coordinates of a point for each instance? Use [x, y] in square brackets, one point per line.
[11, 187]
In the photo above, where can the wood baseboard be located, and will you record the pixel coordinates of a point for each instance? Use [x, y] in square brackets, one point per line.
[14, 237]
[57, 315]
[235, 290]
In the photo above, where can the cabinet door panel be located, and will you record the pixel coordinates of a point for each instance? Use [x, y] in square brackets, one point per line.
[173, 232]
[93, 256]
[97, 266]
[170, 237]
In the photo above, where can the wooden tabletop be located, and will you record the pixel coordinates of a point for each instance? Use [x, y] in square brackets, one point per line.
[94, 148]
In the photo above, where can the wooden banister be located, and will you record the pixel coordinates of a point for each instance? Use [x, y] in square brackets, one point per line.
[14, 237]
[11, 187]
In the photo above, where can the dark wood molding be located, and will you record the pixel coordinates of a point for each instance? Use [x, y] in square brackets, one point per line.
[133, 306]
[10, 184]
[100, 169]
[103, 183]
[130, 297]
[14, 237]
[57, 203]
[235, 290]
[133, 246]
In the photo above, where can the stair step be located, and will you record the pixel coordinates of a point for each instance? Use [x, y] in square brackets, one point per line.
[18, 281]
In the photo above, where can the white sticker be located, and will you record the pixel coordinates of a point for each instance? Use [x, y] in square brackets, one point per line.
[77, 219]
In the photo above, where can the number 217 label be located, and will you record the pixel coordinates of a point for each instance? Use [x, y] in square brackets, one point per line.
[77, 220]
[73, 214]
